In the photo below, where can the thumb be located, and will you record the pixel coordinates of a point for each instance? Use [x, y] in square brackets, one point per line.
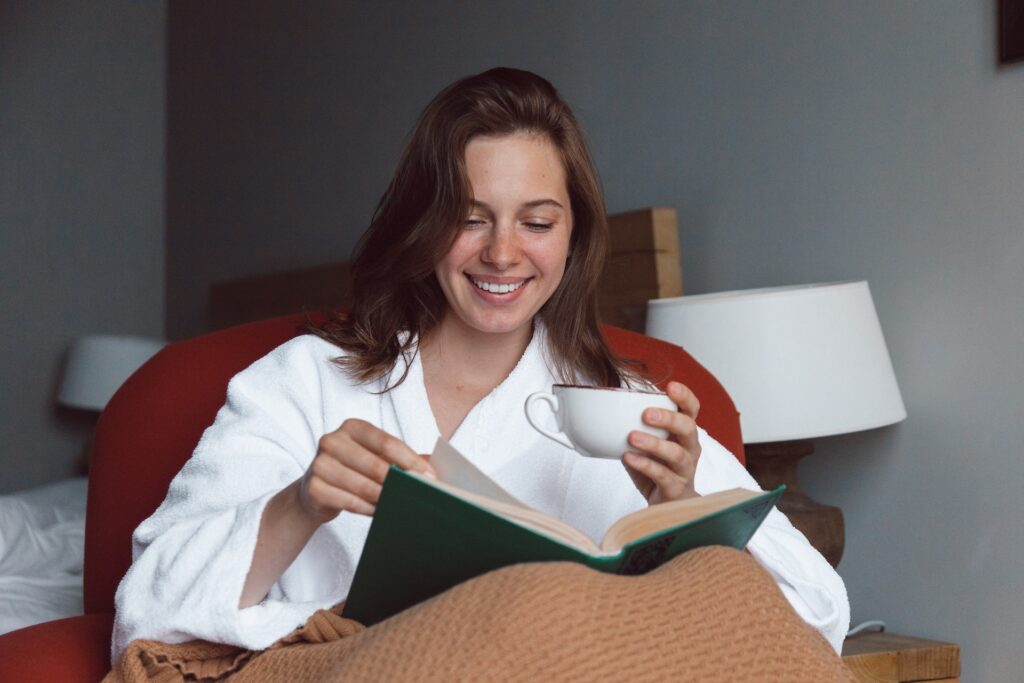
[427, 470]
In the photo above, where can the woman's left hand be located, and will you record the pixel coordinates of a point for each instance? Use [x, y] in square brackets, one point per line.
[663, 469]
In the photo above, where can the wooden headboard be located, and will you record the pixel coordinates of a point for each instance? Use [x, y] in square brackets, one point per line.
[643, 263]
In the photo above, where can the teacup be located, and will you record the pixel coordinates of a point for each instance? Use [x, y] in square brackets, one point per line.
[596, 421]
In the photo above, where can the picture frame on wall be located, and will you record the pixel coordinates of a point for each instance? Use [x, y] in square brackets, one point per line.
[1011, 31]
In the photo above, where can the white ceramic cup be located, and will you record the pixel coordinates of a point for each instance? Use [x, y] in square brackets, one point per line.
[596, 421]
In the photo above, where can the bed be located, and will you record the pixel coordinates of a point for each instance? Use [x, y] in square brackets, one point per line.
[41, 541]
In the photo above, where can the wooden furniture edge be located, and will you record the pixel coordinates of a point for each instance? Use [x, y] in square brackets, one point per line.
[888, 656]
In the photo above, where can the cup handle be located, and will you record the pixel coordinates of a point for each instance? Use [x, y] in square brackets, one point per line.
[552, 402]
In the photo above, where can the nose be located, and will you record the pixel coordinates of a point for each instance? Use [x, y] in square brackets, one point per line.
[502, 249]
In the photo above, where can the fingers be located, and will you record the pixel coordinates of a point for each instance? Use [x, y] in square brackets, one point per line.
[679, 460]
[666, 484]
[348, 478]
[682, 429]
[344, 490]
[642, 482]
[668, 464]
[342, 449]
[684, 398]
[680, 424]
[378, 442]
[350, 467]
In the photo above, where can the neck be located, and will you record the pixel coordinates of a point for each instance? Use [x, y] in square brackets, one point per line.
[466, 353]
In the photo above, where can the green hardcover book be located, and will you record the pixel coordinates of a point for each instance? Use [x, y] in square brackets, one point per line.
[427, 536]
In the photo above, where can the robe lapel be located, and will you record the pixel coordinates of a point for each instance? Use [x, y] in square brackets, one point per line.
[410, 408]
[495, 431]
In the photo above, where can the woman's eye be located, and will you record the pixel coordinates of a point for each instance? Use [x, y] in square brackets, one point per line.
[471, 222]
[539, 226]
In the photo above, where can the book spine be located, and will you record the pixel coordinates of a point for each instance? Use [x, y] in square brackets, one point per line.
[643, 557]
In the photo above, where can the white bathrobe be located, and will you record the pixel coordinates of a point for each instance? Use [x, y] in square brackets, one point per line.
[191, 557]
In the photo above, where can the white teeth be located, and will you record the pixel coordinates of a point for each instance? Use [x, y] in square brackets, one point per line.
[498, 289]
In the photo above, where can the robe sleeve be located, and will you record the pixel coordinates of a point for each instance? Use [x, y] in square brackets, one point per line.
[192, 556]
[812, 586]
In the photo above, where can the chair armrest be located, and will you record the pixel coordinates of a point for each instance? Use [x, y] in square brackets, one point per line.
[73, 649]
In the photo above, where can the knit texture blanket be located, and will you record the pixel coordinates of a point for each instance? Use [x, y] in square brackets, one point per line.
[712, 614]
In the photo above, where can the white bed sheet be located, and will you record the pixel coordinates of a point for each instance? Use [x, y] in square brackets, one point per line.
[42, 533]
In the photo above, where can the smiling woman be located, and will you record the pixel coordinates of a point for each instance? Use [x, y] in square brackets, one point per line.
[475, 286]
[492, 150]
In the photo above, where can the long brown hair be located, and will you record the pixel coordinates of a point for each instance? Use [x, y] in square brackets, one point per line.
[421, 213]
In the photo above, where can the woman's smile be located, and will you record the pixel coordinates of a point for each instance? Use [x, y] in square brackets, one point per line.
[499, 289]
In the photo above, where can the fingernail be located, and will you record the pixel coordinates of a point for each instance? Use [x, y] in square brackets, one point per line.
[641, 439]
[429, 474]
[654, 415]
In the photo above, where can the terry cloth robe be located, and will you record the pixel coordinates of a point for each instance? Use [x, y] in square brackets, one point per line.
[192, 556]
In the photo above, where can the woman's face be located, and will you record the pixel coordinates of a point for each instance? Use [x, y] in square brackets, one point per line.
[510, 255]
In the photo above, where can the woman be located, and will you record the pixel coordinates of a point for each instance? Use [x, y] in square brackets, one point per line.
[475, 287]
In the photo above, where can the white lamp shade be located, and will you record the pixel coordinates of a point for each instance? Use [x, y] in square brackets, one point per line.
[799, 362]
[98, 365]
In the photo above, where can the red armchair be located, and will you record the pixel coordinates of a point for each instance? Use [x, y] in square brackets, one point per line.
[149, 430]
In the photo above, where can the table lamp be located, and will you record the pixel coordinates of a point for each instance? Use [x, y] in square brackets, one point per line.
[98, 365]
[800, 362]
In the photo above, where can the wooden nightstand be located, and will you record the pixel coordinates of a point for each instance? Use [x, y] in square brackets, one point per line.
[874, 657]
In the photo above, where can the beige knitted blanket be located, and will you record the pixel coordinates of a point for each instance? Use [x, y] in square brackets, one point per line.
[709, 615]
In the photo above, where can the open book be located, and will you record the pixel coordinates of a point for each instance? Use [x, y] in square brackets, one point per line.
[427, 535]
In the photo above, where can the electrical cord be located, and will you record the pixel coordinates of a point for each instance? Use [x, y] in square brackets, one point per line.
[865, 625]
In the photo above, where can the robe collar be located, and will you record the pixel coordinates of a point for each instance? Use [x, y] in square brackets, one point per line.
[492, 433]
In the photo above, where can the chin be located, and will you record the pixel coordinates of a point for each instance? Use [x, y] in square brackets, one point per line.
[500, 324]
[501, 327]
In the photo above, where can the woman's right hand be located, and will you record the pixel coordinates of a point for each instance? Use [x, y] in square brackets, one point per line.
[349, 469]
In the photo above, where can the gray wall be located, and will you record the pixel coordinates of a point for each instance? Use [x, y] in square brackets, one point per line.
[81, 208]
[800, 141]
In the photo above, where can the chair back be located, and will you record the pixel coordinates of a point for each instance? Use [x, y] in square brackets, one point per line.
[154, 421]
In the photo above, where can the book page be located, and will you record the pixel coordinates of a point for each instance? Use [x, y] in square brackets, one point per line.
[454, 468]
[459, 477]
[664, 515]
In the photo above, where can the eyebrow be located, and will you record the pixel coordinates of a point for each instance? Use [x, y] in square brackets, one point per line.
[528, 205]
